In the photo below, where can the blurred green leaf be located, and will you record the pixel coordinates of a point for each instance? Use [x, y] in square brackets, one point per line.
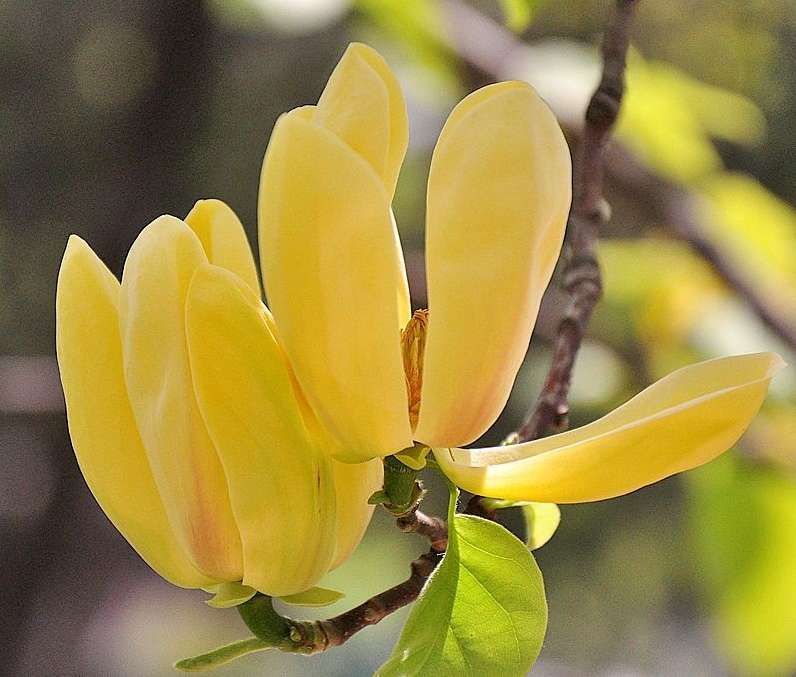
[670, 118]
[758, 230]
[483, 612]
[744, 528]
[519, 13]
[419, 26]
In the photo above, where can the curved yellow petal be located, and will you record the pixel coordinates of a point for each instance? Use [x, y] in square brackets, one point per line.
[498, 198]
[281, 486]
[101, 425]
[184, 462]
[363, 105]
[355, 484]
[328, 256]
[224, 240]
[682, 421]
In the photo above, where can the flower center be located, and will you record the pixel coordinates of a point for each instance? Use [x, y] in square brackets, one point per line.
[413, 344]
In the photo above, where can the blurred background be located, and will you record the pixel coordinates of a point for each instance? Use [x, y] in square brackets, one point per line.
[112, 113]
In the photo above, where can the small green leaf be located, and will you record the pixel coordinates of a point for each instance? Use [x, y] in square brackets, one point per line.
[313, 597]
[483, 613]
[228, 595]
[519, 13]
[541, 522]
[222, 655]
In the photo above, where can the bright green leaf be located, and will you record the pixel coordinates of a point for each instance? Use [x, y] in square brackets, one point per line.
[313, 597]
[228, 595]
[483, 612]
[541, 522]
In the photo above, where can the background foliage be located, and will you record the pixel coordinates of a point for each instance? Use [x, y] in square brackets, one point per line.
[112, 113]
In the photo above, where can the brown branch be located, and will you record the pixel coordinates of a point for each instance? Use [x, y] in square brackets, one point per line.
[433, 528]
[589, 213]
[337, 630]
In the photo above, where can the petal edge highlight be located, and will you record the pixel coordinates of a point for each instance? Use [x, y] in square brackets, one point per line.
[184, 462]
[281, 487]
[498, 197]
[328, 255]
[101, 425]
[680, 422]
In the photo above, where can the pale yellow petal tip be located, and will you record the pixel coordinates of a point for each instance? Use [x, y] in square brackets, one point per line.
[76, 246]
[356, 46]
[489, 92]
[207, 207]
[167, 226]
[776, 364]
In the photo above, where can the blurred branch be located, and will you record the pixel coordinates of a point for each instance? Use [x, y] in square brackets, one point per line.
[590, 212]
[679, 210]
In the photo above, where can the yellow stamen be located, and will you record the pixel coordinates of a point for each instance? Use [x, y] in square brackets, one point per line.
[413, 343]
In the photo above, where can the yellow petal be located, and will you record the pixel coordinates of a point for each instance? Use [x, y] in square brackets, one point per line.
[363, 105]
[281, 486]
[224, 240]
[355, 484]
[498, 198]
[104, 434]
[328, 254]
[678, 423]
[184, 462]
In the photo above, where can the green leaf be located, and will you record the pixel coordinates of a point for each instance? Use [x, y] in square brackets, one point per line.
[222, 655]
[541, 522]
[743, 524]
[313, 597]
[519, 13]
[482, 613]
[228, 595]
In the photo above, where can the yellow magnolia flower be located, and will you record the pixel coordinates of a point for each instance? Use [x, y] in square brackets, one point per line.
[498, 198]
[229, 445]
[206, 460]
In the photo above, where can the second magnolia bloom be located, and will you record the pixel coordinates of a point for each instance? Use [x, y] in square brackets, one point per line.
[210, 469]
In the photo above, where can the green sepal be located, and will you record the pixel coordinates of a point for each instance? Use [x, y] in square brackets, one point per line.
[378, 497]
[228, 595]
[414, 457]
[314, 597]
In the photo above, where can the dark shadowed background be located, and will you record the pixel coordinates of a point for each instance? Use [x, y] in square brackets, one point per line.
[112, 113]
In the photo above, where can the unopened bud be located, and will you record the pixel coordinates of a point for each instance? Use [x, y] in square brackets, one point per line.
[413, 345]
